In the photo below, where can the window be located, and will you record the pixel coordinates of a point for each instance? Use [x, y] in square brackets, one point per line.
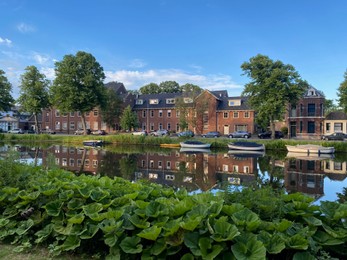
[328, 127]
[225, 115]
[338, 166]
[168, 165]
[57, 113]
[139, 101]
[153, 175]
[170, 101]
[187, 100]
[225, 167]
[64, 114]
[240, 127]
[234, 102]
[338, 127]
[169, 177]
[235, 168]
[160, 126]
[169, 113]
[160, 164]
[143, 163]
[151, 126]
[301, 126]
[205, 120]
[168, 126]
[151, 164]
[310, 127]
[245, 169]
[72, 114]
[160, 113]
[95, 112]
[143, 113]
[177, 127]
[72, 125]
[57, 125]
[79, 114]
[88, 113]
[64, 162]
[153, 101]
[177, 113]
[301, 110]
[236, 114]
[72, 162]
[246, 114]
[152, 113]
[96, 126]
[311, 109]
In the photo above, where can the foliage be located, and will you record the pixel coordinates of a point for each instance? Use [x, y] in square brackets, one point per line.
[342, 93]
[330, 106]
[34, 95]
[123, 220]
[78, 85]
[6, 99]
[129, 119]
[169, 87]
[273, 86]
[112, 109]
[284, 130]
[151, 88]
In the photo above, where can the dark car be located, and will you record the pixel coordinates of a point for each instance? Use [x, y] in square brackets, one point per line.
[212, 134]
[240, 134]
[278, 134]
[334, 136]
[187, 133]
[48, 131]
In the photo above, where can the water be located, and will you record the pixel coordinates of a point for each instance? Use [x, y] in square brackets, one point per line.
[320, 178]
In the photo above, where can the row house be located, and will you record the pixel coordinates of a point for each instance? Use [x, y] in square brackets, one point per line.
[305, 119]
[68, 123]
[335, 122]
[210, 111]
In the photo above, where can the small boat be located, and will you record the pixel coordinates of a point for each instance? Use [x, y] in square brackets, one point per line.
[194, 144]
[310, 148]
[195, 150]
[170, 145]
[246, 146]
[246, 154]
[310, 157]
[93, 143]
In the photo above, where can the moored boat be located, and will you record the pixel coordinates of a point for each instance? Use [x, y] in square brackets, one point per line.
[310, 157]
[170, 145]
[194, 150]
[246, 154]
[93, 143]
[194, 144]
[310, 148]
[246, 146]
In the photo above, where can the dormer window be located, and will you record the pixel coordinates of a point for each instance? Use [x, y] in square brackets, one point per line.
[139, 101]
[170, 101]
[153, 101]
[188, 100]
[234, 102]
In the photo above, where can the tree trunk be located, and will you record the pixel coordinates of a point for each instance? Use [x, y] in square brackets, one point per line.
[37, 130]
[272, 126]
[84, 123]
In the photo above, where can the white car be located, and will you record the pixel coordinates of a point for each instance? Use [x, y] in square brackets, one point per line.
[16, 131]
[142, 132]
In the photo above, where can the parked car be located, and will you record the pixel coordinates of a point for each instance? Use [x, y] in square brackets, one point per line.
[278, 134]
[187, 133]
[161, 132]
[212, 134]
[81, 132]
[98, 132]
[16, 131]
[48, 131]
[334, 136]
[140, 132]
[30, 131]
[240, 134]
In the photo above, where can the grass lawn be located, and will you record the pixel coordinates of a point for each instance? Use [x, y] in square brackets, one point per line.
[6, 252]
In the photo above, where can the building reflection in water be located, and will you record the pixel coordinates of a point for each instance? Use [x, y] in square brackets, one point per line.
[195, 171]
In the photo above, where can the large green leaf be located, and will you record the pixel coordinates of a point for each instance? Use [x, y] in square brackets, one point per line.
[29, 196]
[298, 242]
[150, 233]
[154, 209]
[75, 203]
[181, 207]
[89, 232]
[66, 195]
[303, 256]
[328, 208]
[71, 243]
[313, 221]
[43, 233]
[191, 240]
[3, 222]
[224, 231]
[131, 245]
[24, 226]
[110, 225]
[76, 219]
[60, 228]
[85, 192]
[274, 243]
[190, 223]
[326, 240]
[248, 247]
[209, 251]
[110, 239]
[341, 212]
[283, 225]
[158, 247]
[233, 208]
[53, 208]
[98, 194]
[139, 222]
[172, 226]
[246, 218]
[92, 209]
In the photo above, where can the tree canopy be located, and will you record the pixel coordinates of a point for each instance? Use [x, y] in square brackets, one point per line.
[112, 108]
[342, 93]
[129, 119]
[273, 86]
[78, 85]
[163, 87]
[34, 95]
[6, 99]
[150, 88]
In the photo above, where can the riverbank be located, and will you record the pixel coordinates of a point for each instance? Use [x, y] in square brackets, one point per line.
[221, 142]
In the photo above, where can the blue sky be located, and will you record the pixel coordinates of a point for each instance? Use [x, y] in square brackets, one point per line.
[203, 42]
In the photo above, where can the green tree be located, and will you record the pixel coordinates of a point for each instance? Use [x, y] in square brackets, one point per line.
[191, 88]
[112, 109]
[169, 87]
[342, 93]
[330, 106]
[78, 85]
[6, 99]
[273, 86]
[34, 91]
[129, 119]
[150, 88]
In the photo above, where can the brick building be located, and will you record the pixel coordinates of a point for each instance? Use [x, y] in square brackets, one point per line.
[305, 119]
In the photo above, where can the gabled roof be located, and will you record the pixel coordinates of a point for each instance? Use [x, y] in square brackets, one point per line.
[224, 104]
[118, 87]
[161, 100]
[337, 115]
[313, 93]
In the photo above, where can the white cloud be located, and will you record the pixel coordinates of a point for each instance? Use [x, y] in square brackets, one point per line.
[137, 63]
[25, 28]
[41, 58]
[5, 41]
[137, 79]
[49, 72]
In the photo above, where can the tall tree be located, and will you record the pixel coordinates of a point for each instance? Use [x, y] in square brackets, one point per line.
[6, 99]
[129, 119]
[330, 106]
[78, 85]
[342, 93]
[150, 88]
[112, 109]
[273, 86]
[34, 95]
[169, 87]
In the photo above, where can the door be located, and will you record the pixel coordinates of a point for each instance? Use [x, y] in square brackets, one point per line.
[292, 129]
[226, 129]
